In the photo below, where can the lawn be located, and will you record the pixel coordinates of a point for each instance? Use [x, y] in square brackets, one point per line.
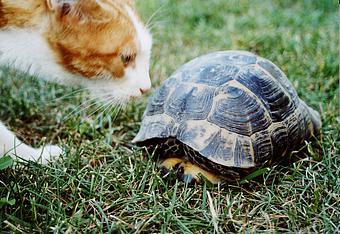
[105, 184]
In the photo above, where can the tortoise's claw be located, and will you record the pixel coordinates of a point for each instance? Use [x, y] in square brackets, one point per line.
[167, 168]
[164, 172]
[169, 165]
[186, 171]
[187, 178]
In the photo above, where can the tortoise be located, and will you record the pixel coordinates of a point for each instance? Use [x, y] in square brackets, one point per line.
[223, 115]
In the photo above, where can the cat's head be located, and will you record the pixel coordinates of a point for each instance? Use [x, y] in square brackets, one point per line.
[104, 43]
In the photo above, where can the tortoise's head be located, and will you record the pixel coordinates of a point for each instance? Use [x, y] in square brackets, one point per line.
[103, 43]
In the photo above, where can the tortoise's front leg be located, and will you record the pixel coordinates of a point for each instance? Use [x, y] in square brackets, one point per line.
[187, 171]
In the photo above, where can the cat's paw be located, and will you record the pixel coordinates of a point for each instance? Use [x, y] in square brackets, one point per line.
[48, 153]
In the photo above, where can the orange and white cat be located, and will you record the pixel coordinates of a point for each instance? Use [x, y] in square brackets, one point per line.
[99, 44]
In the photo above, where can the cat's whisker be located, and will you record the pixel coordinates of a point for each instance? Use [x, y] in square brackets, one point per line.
[76, 112]
[69, 95]
[154, 14]
[155, 27]
[107, 108]
[102, 100]
[101, 109]
[79, 108]
[157, 24]
[118, 107]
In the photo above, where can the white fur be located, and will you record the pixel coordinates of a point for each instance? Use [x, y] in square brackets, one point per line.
[26, 51]
[140, 73]
[12, 146]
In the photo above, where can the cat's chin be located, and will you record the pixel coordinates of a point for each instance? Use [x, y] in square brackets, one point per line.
[115, 97]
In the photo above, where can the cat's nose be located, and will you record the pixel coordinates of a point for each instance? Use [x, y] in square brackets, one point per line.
[145, 85]
[144, 90]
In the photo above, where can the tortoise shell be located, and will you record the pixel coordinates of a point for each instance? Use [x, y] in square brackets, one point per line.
[226, 111]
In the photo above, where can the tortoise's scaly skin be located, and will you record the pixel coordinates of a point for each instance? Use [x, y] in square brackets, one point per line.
[228, 112]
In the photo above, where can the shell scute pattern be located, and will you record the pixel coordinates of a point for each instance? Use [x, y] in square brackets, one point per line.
[197, 134]
[279, 137]
[276, 72]
[238, 58]
[293, 124]
[243, 153]
[220, 148]
[189, 101]
[269, 91]
[228, 112]
[238, 111]
[262, 145]
[157, 126]
[156, 104]
[220, 74]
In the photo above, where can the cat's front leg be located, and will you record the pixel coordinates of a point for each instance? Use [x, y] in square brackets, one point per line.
[12, 146]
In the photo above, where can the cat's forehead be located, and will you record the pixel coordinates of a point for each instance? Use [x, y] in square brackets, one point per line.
[143, 36]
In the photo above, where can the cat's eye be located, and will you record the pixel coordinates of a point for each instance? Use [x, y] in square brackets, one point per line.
[126, 59]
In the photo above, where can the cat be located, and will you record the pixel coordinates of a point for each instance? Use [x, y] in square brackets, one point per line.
[99, 44]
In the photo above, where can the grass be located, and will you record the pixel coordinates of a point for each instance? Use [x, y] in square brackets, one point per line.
[105, 184]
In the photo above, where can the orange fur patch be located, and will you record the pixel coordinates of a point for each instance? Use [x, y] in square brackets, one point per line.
[98, 51]
[3, 20]
[21, 13]
[87, 38]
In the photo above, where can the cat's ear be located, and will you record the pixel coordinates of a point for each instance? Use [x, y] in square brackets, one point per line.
[62, 6]
[82, 10]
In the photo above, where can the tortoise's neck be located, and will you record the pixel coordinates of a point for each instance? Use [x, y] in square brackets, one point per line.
[22, 13]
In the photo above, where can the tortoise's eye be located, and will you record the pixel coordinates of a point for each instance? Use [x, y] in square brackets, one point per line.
[126, 59]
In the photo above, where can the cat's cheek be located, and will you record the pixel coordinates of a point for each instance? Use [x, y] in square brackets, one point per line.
[112, 90]
[118, 71]
[139, 82]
